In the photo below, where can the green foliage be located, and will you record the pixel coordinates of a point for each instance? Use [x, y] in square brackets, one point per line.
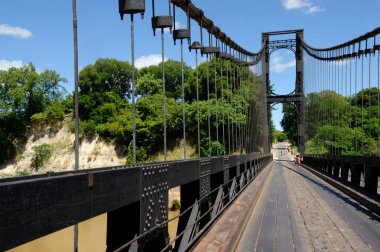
[289, 122]
[215, 147]
[148, 85]
[105, 109]
[23, 93]
[42, 153]
[175, 205]
[279, 136]
[344, 140]
[68, 104]
[23, 173]
[337, 126]
[107, 81]
[51, 115]
[141, 155]
[172, 77]
[366, 97]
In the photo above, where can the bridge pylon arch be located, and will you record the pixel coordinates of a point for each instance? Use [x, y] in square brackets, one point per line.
[297, 97]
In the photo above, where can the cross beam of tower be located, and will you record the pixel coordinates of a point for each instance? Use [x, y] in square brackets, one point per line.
[297, 98]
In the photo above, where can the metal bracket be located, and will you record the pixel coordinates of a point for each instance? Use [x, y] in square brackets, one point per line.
[241, 181]
[190, 232]
[134, 246]
[232, 192]
[218, 203]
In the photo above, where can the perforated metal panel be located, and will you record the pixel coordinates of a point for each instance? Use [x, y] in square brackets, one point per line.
[154, 195]
[205, 172]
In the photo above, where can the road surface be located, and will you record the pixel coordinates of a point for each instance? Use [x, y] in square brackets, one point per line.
[297, 211]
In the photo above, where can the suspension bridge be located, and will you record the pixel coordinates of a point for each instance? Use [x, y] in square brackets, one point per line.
[247, 195]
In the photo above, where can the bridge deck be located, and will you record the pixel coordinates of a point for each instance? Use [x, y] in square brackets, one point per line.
[298, 211]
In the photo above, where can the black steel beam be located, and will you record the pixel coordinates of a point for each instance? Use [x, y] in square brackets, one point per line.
[283, 98]
[34, 206]
[284, 32]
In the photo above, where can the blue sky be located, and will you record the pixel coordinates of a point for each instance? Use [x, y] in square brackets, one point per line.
[40, 31]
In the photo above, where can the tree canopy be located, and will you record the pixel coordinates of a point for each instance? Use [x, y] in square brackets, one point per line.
[29, 97]
[23, 93]
[337, 124]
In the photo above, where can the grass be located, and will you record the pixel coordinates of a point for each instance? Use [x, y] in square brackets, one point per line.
[23, 173]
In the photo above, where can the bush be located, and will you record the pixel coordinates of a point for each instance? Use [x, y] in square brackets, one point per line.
[279, 136]
[141, 155]
[23, 173]
[89, 128]
[42, 153]
[51, 115]
[215, 148]
[175, 205]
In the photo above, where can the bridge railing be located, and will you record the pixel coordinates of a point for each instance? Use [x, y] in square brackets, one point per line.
[135, 199]
[361, 173]
[203, 212]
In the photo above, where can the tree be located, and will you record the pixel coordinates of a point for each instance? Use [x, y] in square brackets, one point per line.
[279, 136]
[289, 121]
[172, 76]
[147, 84]
[366, 97]
[105, 76]
[23, 93]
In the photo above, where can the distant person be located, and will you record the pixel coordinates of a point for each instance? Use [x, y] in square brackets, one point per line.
[298, 159]
[295, 160]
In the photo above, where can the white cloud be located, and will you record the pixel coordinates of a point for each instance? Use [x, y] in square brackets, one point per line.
[14, 31]
[178, 25]
[307, 6]
[314, 9]
[152, 59]
[5, 64]
[278, 66]
[340, 62]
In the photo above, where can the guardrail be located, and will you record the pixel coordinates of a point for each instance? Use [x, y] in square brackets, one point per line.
[359, 172]
[135, 199]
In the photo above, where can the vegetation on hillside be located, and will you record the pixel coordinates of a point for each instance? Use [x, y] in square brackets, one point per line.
[30, 98]
[337, 124]
[106, 110]
[26, 96]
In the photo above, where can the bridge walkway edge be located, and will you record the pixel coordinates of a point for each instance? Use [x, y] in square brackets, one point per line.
[226, 231]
